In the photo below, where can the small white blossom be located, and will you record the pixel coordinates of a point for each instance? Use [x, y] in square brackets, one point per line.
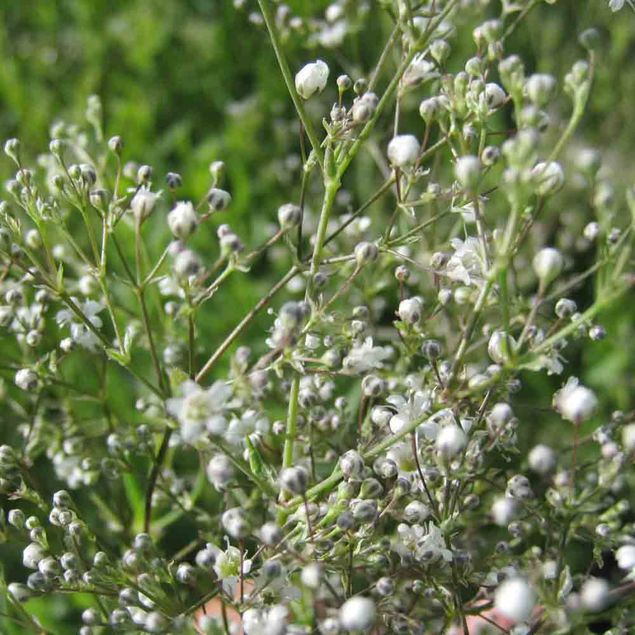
[503, 511]
[542, 459]
[466, 263]
[575, 402]
[409, 409]
[80, 333]
[200, 410]
[365, 357]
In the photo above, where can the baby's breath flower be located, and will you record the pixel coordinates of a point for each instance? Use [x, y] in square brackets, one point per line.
[200, 411]
[575, 402]
[311, 79]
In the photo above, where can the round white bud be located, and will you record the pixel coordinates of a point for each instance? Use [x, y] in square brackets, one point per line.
[142, 203]
[542, 459]
[494, 95]
[357, 614]
[503, 511]
[575, 402]
[235, 523]
[628, 437]
[311, 79]
[183, 220]
[403, 150]
[450, 440]
[548, 177]
[289, 215]
[294, 480]
[594, 594]
[410, 310]
[366, 252]
[26, 379]
[548, 264]
[515, 599]
[468, 171]
[220, 471]
[625, 557]
[539, 88]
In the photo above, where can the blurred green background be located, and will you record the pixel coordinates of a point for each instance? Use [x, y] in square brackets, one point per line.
[187, 82]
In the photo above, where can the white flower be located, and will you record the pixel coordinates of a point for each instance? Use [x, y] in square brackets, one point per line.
[542, 459]
[265, 621]
[575, 402]
[250, 424]
[450, 440]
[26, 379]
[628, 437]
[410, 409]
[503, 511]
[403, 150]
[311, 79]
[466, 264]
[357, 614]
[625, 557]
[80, 333]
[200, 410]
[227, 568]
[515, 599]
[594, 594]
[143, 203]
[182, 220]
[547, 264]
[365, 357]
[431, 546]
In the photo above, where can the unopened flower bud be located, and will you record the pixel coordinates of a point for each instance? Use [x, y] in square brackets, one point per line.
[548, 264]
[311, 79]
[403, 151]
[289, 215]
[183, 220]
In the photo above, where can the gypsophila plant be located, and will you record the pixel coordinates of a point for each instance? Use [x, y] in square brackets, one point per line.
[368, 464]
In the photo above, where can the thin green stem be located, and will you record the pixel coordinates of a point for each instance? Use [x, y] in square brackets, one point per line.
[289, 81]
